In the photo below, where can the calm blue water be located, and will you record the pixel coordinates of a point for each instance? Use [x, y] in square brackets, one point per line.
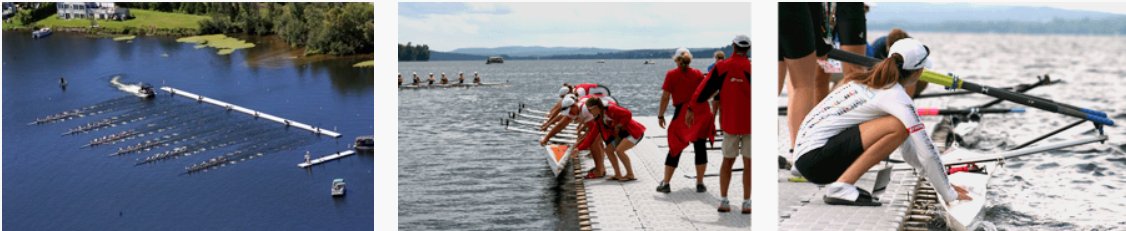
[51, 183]
[460, 170]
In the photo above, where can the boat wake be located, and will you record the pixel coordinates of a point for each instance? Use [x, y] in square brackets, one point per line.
[138, 89]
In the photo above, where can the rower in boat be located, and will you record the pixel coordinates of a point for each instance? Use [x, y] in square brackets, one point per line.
[476, 78]
[400, 79]
[444, 80]
[62, 83]
[460, 78]
[431, 79]
[577, 112]
[862, 122]
[415, 80]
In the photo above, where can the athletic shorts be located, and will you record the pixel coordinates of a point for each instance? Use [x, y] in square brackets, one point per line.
[796, 36]
[624, 135]
[825, 164]
[735, 145]
[851, 24]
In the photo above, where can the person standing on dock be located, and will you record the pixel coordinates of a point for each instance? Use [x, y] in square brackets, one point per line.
[680, 83]
[308, 158]
[862, 122]
[719, 56]
[800, 44]
[621, 133]
[731, 81]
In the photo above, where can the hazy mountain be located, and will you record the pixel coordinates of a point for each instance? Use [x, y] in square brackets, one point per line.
[532, 51]
[699, 53]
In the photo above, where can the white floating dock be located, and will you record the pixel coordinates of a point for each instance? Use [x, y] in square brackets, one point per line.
[327, 158]
[248, 111]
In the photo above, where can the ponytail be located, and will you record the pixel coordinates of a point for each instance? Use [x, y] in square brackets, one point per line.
[883, 74]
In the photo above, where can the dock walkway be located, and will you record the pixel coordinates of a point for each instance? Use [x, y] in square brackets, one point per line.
[636, 205]
[326, 158]
[251, 112]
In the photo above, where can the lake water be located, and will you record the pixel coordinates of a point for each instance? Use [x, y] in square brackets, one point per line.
[460, 170]
[51, 182]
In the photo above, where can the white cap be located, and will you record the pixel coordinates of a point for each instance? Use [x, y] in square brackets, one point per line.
[742, 41]
[914, 53]
[568, 101]
[563, 91]
[681, 51]
[581, 92]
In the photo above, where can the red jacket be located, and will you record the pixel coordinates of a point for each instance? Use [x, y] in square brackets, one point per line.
[619, 116]
[732, 78]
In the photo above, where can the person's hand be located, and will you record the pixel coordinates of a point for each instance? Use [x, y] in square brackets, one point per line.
[661, 121]
[963, 194]
[543, 142]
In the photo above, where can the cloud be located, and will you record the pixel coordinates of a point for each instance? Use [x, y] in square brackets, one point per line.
[606, 25]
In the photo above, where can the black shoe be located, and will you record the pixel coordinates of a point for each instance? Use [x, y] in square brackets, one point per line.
[865, 199]
[701, 188]
[664, 188]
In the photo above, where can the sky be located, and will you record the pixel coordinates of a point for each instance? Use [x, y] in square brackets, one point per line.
[448, 26]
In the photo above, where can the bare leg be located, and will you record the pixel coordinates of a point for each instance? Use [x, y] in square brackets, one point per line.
[596, 151]
[804, 94]
[613, 160]
[880, 137]
[849, 68]
[622, 148]
[781, 76]
[746, 178]
[700, 169]
[725, 175]
[822, 83]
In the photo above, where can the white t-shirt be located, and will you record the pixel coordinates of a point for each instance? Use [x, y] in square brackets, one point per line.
[855, 103]
[584, 114]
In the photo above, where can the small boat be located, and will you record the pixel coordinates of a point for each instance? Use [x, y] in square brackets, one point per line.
[647, 62]
[601, 61]
[41, 33]
[145, 91]
[364, 143]
[494, 59]
[338, 187]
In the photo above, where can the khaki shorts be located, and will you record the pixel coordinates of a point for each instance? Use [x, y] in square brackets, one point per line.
[735, 145]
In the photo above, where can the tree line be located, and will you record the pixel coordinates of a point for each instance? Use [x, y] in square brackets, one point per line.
[408, 52]
[322, 28]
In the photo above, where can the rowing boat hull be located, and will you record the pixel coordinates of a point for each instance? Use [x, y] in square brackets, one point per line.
[557, 157]
[967, 215]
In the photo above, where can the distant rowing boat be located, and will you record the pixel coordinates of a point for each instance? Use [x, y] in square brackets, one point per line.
[452, 85]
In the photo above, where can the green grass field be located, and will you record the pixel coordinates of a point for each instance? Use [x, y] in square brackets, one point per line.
[143, 19]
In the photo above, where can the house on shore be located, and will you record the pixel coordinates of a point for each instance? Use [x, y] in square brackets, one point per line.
[91, 10]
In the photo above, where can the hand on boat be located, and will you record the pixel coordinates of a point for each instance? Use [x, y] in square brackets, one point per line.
[963, 194]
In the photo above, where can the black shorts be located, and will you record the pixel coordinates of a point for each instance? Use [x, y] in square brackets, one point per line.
[852, 27]
[801, 30]
[825, 164]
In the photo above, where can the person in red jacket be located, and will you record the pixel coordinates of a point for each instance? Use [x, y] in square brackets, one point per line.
[616, 125]
[731, 80]
[680, 83]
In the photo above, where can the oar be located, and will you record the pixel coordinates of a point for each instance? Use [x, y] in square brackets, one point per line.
[948, 111]
[953, 82]
[938, 111]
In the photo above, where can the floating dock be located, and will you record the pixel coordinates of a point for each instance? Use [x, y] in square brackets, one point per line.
[636, 205]
[248, 111]
[327, 158]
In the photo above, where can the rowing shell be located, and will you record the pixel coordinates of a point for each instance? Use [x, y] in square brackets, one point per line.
[557, 157]
[452, 85]
[966, 215]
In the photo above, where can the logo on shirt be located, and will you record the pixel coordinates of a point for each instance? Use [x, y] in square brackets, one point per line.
[913, 129]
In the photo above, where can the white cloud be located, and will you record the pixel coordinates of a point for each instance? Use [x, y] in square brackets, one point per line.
[606, 25]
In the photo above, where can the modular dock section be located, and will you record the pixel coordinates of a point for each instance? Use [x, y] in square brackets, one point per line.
[248, 111]
[327, 158]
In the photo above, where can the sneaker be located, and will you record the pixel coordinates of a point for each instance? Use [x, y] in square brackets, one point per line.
[701, 188]
[724, 206]
[747, 207]
[664, 188]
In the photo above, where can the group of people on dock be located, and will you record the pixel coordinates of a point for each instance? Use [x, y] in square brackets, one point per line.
[837, 136]
[415, 81]
[608, 129]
